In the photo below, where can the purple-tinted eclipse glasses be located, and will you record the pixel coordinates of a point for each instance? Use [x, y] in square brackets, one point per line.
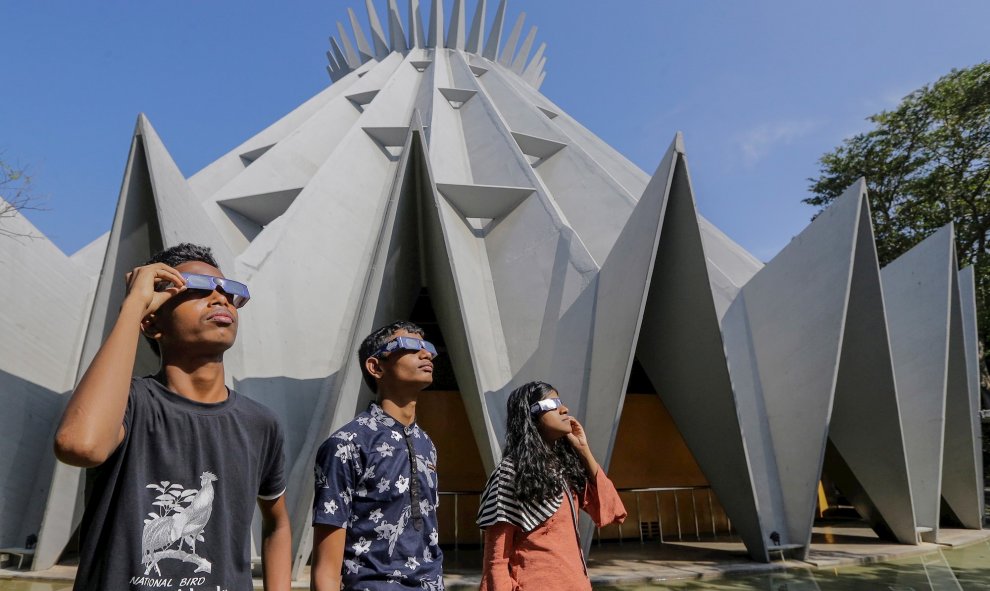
[406, 344]
[237, 291]
[545, 405]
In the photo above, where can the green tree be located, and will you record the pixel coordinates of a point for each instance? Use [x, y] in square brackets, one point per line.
[926, 163]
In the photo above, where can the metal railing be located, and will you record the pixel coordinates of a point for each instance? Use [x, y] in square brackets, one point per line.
[677, 492]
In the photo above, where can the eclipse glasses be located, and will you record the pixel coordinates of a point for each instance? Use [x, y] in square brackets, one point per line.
[237, 291]
[545, 405]
[406, 344]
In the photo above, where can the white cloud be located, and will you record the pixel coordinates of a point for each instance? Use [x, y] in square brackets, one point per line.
[759, 141]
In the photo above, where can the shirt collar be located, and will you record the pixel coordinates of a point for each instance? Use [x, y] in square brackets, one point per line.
[378, 414]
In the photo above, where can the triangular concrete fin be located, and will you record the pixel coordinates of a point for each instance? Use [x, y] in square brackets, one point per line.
[251, 155]
[495, 35]
[537, 146]
[420, 65]
[962, 474]
[353, 59]
[967, 300]
[539, 81]
[416, 37]
[388, 137]
[457, 96]
[380, 295]
[550, 114]
[360, 99]
[477, 28]
[792, 318]
[455, 36]
[917, 293]
[520, 62]
[866, 458]
[478, 71]
[484, 201]
[510, 45]
[262, 209]
[397, 37]
[377, 32]
[533, 69]
[435, 38]
[364, 49]
[338, 55]
[681, 348]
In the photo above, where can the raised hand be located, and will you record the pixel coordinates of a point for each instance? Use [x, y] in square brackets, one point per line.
[579, 440]
[144, 286]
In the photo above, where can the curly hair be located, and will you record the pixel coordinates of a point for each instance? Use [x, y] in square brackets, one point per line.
[541, 467]
[376, 340]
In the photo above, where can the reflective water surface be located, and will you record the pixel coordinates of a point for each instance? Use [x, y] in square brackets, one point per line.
[948, 570]
[965, 569]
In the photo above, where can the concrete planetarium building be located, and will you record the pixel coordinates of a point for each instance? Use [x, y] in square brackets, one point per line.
[432, 181]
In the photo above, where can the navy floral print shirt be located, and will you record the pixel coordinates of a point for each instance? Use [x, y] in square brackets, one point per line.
[365, 482]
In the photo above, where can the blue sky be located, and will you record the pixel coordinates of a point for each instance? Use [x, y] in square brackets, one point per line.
[760, 89]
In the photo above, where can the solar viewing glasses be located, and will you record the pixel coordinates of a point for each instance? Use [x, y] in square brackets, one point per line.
[238, 292]
[545, 405]
[407, 344]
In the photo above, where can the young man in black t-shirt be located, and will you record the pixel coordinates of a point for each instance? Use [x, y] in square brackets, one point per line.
[179, 461]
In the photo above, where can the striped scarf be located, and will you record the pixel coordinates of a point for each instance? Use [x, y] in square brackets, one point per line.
[499, 502]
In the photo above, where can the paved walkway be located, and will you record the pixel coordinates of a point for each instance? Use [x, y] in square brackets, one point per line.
[632, 562]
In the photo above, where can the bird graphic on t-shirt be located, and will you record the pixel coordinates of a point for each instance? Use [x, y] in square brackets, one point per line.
[186, 526]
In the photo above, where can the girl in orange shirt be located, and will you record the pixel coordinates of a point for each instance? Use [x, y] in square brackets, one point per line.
[528, 509]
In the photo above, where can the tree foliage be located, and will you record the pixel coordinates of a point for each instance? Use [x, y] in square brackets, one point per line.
[926, 163]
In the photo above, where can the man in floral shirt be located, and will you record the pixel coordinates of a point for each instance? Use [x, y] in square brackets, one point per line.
[375, 510]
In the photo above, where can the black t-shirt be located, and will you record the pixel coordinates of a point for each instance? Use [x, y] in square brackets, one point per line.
[172, 507]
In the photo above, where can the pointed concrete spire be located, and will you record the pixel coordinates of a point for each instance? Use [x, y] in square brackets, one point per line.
[532, 71]
[477, 28]
[352, 56]
[510, 45]
[495, 36]
[397, 37]
[520, 61]
[362, 42]
[339, 56]
[436, 25]
[377, 33]
[455, 36]
[416, 37]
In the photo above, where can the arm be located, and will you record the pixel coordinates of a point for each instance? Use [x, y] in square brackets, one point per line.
[276, 544]
[92, 423]
[328, 557]
[495, 563]
[600, 499]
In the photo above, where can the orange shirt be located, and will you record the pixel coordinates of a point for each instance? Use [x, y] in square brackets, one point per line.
[548, 558]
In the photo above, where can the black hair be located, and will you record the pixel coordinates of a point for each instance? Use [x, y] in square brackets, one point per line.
[376, 340]
[175, 256]
[541, 467]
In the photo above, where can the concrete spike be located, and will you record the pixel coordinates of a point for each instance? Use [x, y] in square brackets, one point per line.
[455, 36]
[339, 56]
[416, 36]
[353, 60]
[477, 28]
[917, 291]
[495, 36]
[377, 32]
[532, 71]
[436, 25]
[967, 299]
[362, 42]
[510, 46]
[523, 55]
[962, 474]
[539, 81]
[397, 37]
